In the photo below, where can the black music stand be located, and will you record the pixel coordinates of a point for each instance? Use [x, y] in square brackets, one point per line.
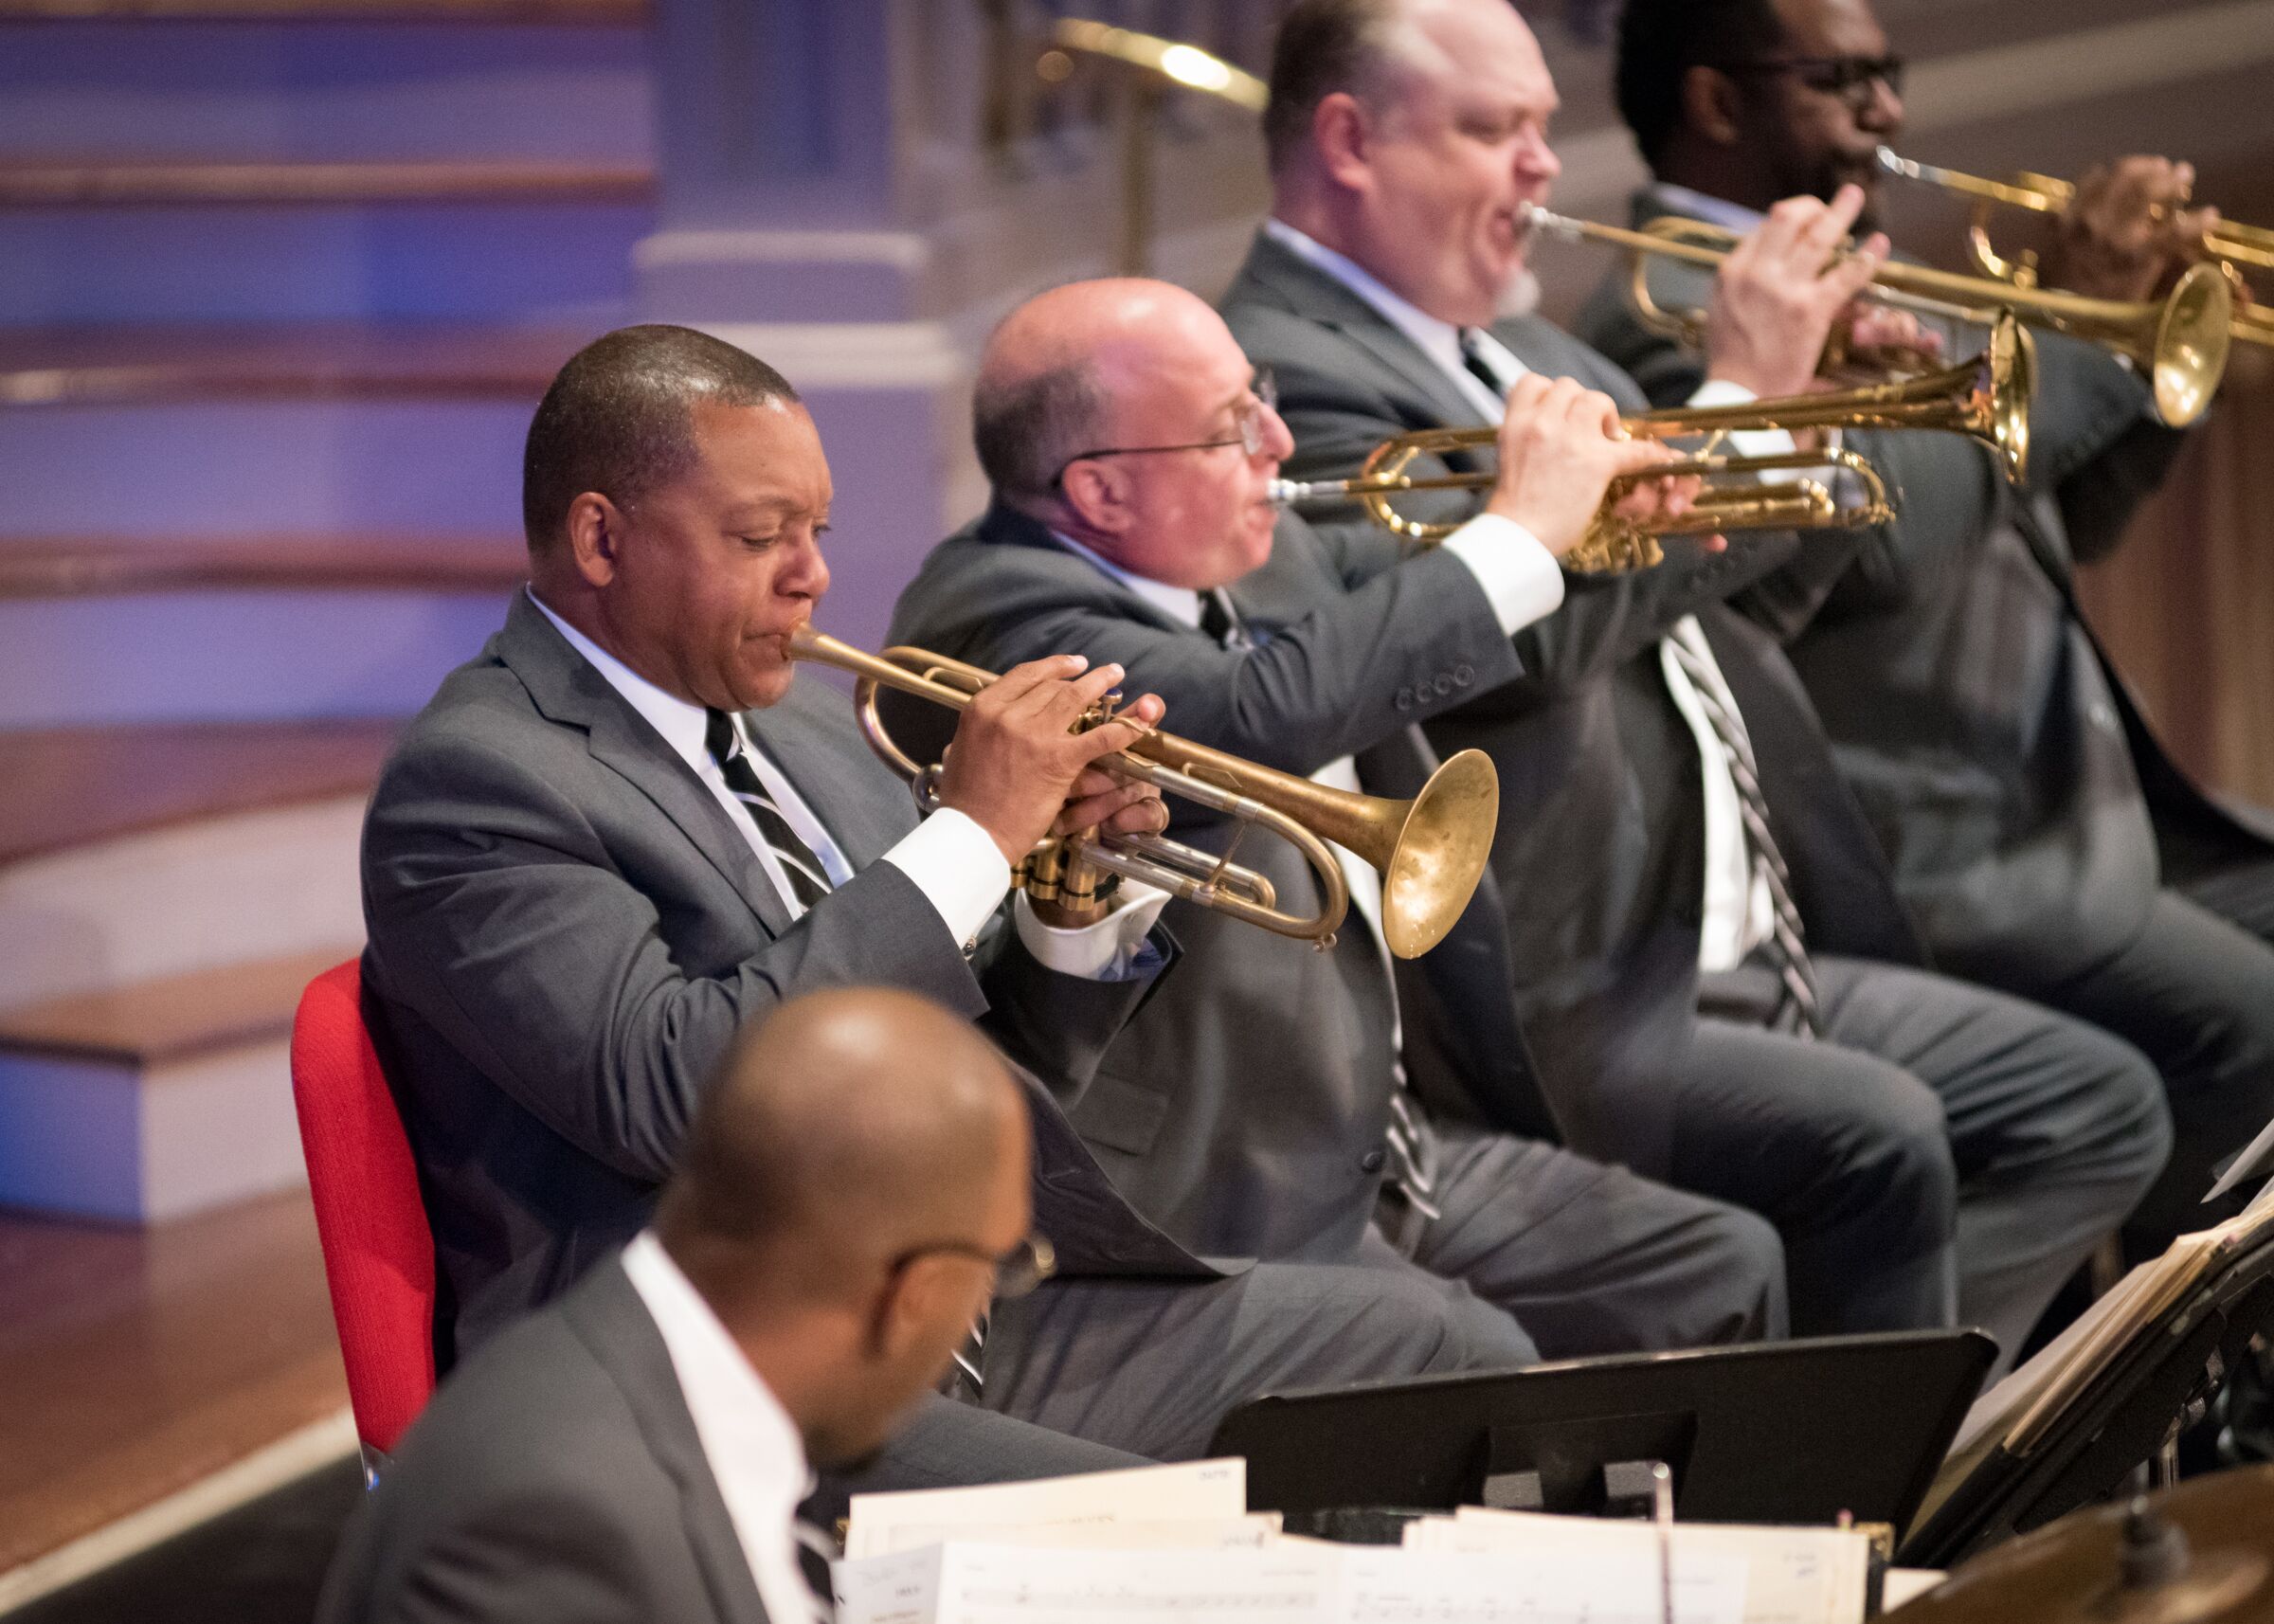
[2113, 1423]
[1794, 1431]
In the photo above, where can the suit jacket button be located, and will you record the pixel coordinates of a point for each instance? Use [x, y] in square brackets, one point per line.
[1443, 684]
[1371, 1161]
[1404, 700]
[1463, 674]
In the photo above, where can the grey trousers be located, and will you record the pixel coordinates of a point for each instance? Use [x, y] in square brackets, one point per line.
[1538, 1250]
[1943, 1152]
[949, 1445]
[2195, 992]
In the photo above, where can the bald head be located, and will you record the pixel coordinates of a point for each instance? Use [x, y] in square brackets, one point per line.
[1059, 374]
[845, 1128]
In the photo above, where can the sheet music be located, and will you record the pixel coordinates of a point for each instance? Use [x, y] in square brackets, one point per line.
[1202, 1489]
[988, 1584]
[2253, 1161]
[1794, 1576]
[1387, 1585]
[1287, 1583]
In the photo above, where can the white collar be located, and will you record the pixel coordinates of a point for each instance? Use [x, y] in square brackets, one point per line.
[1440, 340]
[1179, 603]
[752, 1447]
[685, 727]
[1714, 210]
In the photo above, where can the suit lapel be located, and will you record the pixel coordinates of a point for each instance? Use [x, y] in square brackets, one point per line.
[615, 1326]
[1304, 290]
[568, 690]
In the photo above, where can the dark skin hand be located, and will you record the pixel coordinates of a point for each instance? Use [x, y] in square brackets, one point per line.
[1020, 770]
[2128, 231]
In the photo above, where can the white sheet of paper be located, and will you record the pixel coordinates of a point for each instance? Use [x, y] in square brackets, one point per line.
[882, 1524]
[1287, 1582]
[985, 1584]
[1794, 1576]
[1908, 1584]
[1388, 1585]
[2253, 1161]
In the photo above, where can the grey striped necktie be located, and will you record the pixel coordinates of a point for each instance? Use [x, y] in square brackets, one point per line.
[1799, 1008]
[808, 880]
[816, 1551]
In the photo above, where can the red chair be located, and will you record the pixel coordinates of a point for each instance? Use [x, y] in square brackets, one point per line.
[378, 1248]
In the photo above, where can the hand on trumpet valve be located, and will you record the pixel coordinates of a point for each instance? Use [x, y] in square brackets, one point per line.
[1776, 293]
[2128, 231]
[1021, 766]
[1561, 447]
[1876, 339]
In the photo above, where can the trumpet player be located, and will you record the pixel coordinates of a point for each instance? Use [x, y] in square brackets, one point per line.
[626, 829]
[2039, 837]
[1260, 1103]
[1716, 981]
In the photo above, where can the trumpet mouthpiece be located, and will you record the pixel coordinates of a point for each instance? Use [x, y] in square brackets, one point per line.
[1894, 163]
[1547, 222]
[1282, 492]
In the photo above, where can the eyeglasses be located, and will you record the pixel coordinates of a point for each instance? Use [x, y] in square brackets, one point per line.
[1851, 79]
[1248, 430]
[1017, 1271]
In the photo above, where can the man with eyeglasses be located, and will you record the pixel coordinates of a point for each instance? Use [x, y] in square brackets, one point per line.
[638, 1448]
[1270, 1099]
[628, 828]
[1701, 926]
[2040, 837]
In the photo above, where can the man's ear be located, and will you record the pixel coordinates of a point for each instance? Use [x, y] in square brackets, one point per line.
[1343, 136]
[1096, 494]
[914, 1303]
[595, 530]
[1711, 105]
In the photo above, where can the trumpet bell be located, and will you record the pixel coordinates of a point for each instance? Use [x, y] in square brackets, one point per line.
[1437, 858]
[2191, 342]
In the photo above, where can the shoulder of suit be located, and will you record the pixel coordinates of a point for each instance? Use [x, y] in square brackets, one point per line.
[1543, 346]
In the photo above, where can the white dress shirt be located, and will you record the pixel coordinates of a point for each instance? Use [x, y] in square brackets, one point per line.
[949, 857]
[1737, 903]
[747, 1438]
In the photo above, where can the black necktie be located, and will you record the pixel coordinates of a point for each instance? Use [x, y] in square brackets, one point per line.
[816, 1551]
[1798, 1010]
[808, 880]
[1480, 369]
[1219, 620]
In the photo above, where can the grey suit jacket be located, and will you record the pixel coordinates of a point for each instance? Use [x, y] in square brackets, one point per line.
[1599, 853]
[566, 931]
[557, 1478]
[1244, 1108]
[1988, 739]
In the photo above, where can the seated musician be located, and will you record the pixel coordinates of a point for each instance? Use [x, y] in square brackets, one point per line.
[1257, 1103]
[624, 831]
[2038, 834]
[637, 1447]
[1709, 956]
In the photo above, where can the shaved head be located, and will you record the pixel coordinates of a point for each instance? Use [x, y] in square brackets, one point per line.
[1054, 369]
[846, 1127]
[1123, 414]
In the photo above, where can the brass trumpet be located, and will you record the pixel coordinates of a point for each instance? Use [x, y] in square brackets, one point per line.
[1431, 850]
[2236, 247]
[2180, 341]
[1987, 399]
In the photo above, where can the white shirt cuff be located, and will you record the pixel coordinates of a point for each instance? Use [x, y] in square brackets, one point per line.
[1520, 578]
[1106, 950]
[957, 865]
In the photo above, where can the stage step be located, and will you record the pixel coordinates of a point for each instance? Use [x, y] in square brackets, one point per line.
[92, 565]
[156, 365]
[335, 185]
[616, 13]
[149, 1102]
[139, 1364]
